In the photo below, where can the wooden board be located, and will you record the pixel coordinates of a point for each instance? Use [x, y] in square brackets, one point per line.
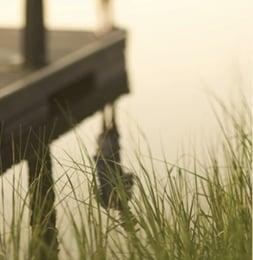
[60, 44]
[83, 74]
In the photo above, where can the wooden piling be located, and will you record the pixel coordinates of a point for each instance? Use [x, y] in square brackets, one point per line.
[34, 35]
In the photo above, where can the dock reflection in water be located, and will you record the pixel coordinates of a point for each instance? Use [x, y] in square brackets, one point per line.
[115, 185]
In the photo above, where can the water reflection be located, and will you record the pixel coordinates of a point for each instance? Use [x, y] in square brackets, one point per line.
[115, 185]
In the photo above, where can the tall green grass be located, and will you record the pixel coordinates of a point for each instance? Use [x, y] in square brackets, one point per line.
[198, 212]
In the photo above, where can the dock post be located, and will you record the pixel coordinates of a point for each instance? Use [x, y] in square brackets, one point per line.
[34, 40]
[44, 243]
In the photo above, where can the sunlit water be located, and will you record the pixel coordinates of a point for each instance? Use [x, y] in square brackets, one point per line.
[177, 52]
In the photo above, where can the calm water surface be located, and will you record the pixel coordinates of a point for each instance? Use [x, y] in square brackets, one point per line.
[177, 51]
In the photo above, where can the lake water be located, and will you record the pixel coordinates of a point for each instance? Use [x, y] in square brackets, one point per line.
[177, 52]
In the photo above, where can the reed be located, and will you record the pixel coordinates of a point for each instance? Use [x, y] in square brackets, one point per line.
[202, 211]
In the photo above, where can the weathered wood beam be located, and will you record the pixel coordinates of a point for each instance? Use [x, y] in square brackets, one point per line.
[79, 84]
[92, 58]
[34, 40]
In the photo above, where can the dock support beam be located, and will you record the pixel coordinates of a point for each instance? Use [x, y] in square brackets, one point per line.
[34, 34]
[44, 243]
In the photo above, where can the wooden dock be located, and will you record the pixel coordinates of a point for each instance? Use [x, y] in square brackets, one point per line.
[84, 72]
[49, 82]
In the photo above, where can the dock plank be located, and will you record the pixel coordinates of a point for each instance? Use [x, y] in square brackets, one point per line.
[84, 72]
[60, 44]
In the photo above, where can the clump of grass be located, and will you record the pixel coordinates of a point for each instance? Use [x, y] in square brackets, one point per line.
[203, 212]
[198, 212]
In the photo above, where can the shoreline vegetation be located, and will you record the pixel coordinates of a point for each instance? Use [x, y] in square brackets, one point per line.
[194, 213]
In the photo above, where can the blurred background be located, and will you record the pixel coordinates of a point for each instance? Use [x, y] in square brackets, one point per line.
[177, 52]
